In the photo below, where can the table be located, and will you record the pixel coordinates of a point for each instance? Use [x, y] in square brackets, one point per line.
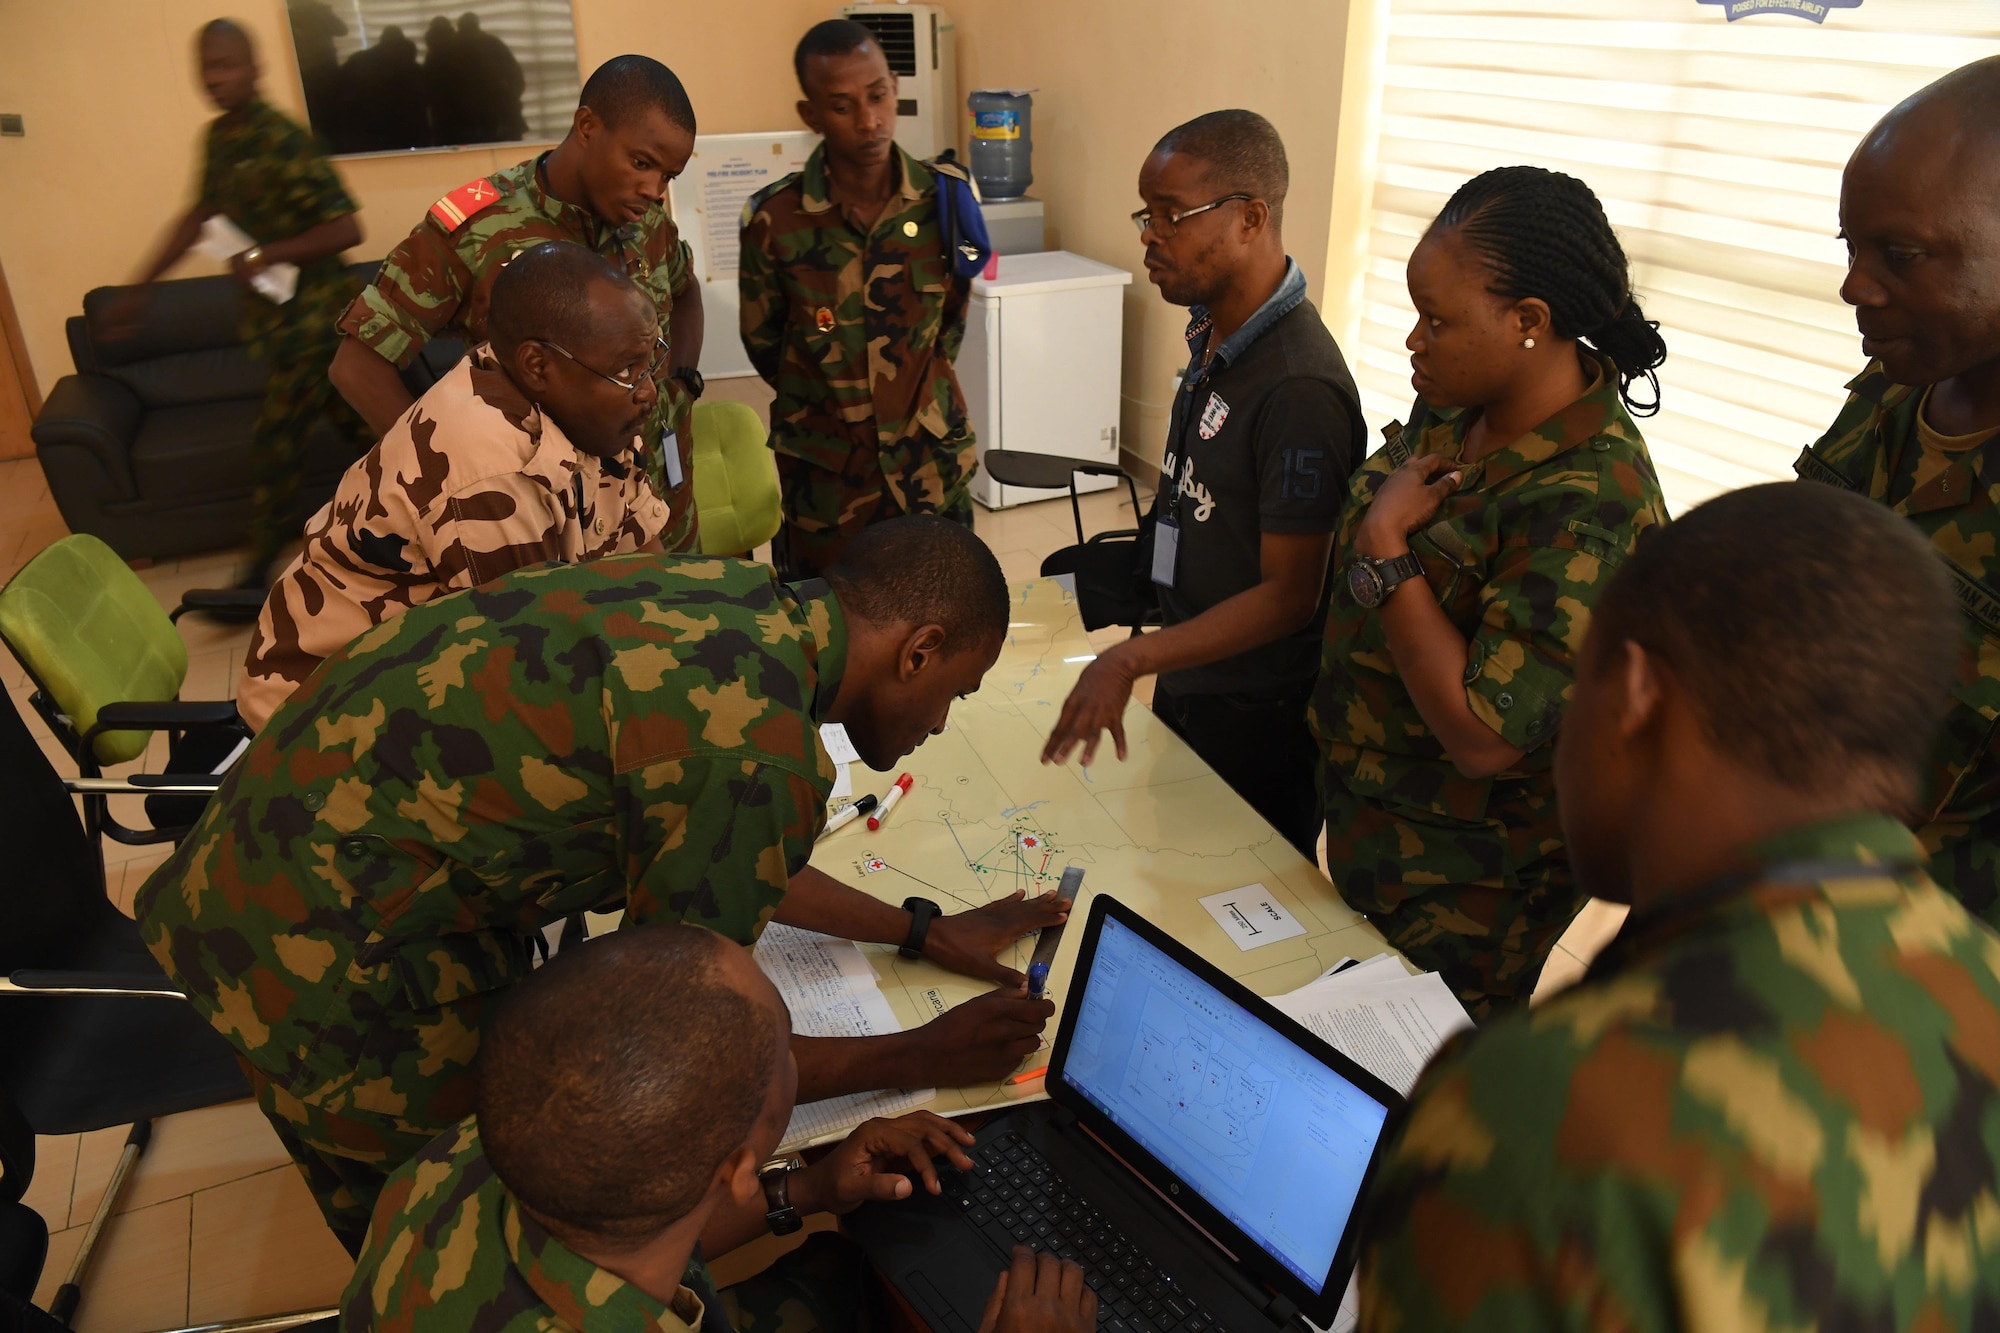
[1159, 832]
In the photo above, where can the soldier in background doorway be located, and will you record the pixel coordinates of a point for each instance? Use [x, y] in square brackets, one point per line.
[852, 312]
[267, 175]
[601, 188]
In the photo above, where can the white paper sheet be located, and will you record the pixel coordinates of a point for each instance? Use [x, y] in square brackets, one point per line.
[839, 745]
[1389, 1027]
[830, 987]
[1252, 916]
[1382, 967]
[222, 239]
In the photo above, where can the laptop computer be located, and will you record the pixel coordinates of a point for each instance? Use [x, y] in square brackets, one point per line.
[1203, 1157]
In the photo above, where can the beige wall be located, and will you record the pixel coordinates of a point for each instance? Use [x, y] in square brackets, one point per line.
[1111, 78]
[115, 115]
[114, 119]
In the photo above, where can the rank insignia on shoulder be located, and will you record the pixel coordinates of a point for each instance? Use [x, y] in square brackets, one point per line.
[454, 209]
[823, 317]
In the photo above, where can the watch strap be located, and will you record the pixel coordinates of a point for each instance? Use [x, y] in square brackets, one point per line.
[1399, 569]
[922, 912]
[780, 1214]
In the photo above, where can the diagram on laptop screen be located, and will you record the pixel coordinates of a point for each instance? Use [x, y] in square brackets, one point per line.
[1185, 1076]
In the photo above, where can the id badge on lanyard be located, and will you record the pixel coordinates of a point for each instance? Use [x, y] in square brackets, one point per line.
[670, 446]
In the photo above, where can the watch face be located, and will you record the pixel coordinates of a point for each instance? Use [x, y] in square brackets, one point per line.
[1364, 584]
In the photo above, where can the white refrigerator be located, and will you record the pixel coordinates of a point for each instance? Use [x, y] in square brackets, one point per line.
[1041, 362]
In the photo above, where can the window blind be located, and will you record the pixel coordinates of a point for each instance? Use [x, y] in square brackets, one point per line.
[1716, 149]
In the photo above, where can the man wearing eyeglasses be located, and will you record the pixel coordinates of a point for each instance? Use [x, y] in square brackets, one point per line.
[523, 453]
[1265, 430]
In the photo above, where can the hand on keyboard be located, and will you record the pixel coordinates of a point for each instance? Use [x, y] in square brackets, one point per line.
[1040, 1294]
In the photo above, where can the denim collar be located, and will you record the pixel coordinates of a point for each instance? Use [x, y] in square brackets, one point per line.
[1283, 301]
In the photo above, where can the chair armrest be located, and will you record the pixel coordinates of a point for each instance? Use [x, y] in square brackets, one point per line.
[232, 601]
[147, 784]
[169, 714]
[138, 985]
[95, 414]
[1112, 534]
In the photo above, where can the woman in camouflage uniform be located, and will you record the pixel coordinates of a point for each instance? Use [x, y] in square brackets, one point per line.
[1472, 548]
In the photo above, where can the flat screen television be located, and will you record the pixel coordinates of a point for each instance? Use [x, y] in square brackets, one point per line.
[384, 76]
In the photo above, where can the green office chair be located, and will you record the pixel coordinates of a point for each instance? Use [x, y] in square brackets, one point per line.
[735, 479]
[107, 665]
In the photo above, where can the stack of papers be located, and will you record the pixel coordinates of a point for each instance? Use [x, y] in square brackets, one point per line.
[1385, 1020]
[1379, 1016]
[830, 987]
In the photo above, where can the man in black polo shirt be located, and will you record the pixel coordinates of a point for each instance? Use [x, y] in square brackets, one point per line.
[1266, 427]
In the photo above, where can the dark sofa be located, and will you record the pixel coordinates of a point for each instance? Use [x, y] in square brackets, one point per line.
[147, 446]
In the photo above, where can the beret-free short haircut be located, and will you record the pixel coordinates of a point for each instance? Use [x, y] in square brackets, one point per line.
[1243, 153]
[1814, 630]
[924, 570]
[548, 291]
[625, 87]
[617, 1078]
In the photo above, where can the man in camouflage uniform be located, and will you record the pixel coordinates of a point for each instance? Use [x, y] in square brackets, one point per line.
[1917, 432]
[1774, 1102]
[602, 187]
[518, 455]
[604, 1149]
[1466, 876]
[271, 178]
[638, 732]
[853, 313]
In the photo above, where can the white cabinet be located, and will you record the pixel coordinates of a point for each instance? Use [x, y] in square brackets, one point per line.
[1041, 362]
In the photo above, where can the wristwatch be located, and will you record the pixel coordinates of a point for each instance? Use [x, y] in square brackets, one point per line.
[1370, 581]
[254, 256]
[690, 377]
[775, 1176]
[922, 912]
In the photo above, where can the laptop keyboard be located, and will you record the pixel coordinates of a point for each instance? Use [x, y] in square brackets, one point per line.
[1014, 1196]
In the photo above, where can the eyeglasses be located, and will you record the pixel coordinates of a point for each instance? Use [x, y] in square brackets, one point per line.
[1167, 224]
[652, 367]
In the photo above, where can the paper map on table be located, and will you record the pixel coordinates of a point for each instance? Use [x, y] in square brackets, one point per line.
[1160, 831]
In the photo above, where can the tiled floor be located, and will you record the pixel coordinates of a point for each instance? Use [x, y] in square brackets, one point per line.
[216, 1224]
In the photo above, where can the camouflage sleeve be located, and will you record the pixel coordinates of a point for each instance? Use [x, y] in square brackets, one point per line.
[957, 301]
[680, 269]
[1535, 609]
[312, 189]
[414, 298]
[1464, 1220]
[492, 527]
[756, 820]
[208, 192]
[762, 297]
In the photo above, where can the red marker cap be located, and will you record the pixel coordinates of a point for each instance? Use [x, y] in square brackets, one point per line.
[901, 785]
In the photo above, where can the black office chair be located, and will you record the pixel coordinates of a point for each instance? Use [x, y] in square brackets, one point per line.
[92, 1034]
[1107, 569]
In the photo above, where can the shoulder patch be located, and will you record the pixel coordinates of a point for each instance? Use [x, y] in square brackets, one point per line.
[457, 208]
[768, 193]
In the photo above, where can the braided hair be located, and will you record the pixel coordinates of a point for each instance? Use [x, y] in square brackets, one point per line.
[1542, 234]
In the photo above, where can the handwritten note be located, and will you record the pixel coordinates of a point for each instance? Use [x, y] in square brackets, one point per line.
[830, 987]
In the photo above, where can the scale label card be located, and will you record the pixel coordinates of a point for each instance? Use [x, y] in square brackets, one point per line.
[1252, 916]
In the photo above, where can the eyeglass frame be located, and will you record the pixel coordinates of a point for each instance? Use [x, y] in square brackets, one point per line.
[653, 367]
[1144, 217]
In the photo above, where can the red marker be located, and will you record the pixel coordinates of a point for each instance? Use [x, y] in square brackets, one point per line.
[903, 784]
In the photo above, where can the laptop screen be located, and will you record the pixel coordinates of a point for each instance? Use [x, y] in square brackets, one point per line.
[1272, 1138]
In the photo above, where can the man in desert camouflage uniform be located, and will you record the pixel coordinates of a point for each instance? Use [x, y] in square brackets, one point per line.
[638, 732]
[1774, 1102]
[602, 187]
[1465, 875]
[602, 1151]
[853, 313]
[519, 455]
[1917, 432]
[271, 178]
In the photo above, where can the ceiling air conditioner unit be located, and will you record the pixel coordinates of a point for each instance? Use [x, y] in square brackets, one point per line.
[922, 48]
